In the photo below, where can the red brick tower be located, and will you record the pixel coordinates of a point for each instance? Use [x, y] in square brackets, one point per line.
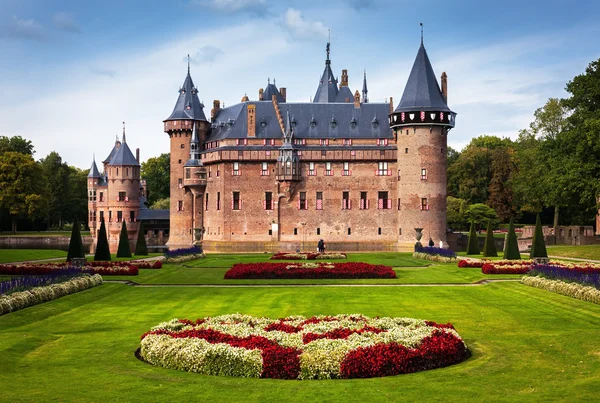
[94, 178]
[187, 115]
[421, 123]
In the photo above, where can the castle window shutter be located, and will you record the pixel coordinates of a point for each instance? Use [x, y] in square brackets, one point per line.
[264, 142]
[376, 172]
[232, 204]
[389, 172]
[264, 204]
[389, 203]
[367, 201]
[350, 172]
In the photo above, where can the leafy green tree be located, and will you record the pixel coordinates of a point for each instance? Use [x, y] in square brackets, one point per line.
[489, 247]
[511, 245]
[20, 187]
[76, 197]
[473, 244]
[141, 249]
[500, 192]
[156, 172]
[456, 213]
[479, 214]
[124, 250]
[56, 185]
[16, 144]
[161, 204]
[102, 248]
[538, 245]
[75, 243]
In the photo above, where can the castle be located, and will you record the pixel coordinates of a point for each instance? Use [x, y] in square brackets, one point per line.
[270, 175]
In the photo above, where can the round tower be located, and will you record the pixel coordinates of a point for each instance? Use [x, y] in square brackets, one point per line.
[186, 119]
[421, 123]
[92, 187]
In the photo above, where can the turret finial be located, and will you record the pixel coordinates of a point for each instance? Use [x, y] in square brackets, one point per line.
[421, 34]
[124, 140]
[328, 47]
[188, 63]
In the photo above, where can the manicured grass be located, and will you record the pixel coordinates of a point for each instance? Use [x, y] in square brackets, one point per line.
[22, 255]
[575, 251]
[41, 233]
[527, 345]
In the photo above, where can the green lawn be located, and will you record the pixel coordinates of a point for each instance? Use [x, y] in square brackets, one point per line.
[21, 255]
[576, 251]
[527, 345]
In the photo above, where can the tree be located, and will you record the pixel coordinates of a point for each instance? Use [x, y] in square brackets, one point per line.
[77, 203]
[102, 249]
[156, 172]
[489, 248]
[141, 249]
[499, 190]
[20, 190]
[56, 186]
[456, 213]
[124, 249]
[511, 245]
[75, 244]
[473, 244]
[15, 144]
[161, 204]
[479, 214]
[538, 246]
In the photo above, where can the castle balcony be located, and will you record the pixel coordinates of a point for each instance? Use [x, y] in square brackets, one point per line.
[195, 177]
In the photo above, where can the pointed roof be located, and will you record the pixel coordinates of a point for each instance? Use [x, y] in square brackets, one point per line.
[188, 105]
[344, 95]
[422, 91]
[94, 173]
[113, 151]
[365, 91]
[328, 88]
[124, 156]
[194, 160]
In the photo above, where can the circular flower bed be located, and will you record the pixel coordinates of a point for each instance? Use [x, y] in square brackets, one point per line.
[320, 347]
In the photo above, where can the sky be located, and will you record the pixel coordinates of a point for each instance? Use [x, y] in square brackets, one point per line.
[72, 71]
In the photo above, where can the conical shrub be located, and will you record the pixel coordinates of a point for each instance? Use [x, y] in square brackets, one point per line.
[511, 246]
[141, 249]
[124, 249]
[473, 244]
[489, 248]
[75, 243]
[102, 249]
[538, 245]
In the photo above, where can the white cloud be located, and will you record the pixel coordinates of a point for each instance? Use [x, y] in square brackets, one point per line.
[206, 54]
[23, 29]
[232, 6]
[65, 22]
[300, 28]
[99, 71]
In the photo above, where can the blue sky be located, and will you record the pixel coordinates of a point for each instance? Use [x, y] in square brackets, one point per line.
[72, 71]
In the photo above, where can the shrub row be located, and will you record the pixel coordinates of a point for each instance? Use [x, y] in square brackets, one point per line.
[344, 346]
[307, 256]
[574, 290]
[37, 295]
[432, 250]
[587, 274]
[434, 258]
[319, 270]
[106, 269]
[490, 268]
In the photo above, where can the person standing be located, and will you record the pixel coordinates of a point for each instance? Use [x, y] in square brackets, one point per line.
[320, 246]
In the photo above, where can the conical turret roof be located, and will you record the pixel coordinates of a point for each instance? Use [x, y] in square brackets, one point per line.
[328, 88]
[124, 156]
[94, 173]
[188, 105]
[422, 91]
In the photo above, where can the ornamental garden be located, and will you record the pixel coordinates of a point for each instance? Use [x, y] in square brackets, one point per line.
[300, 326]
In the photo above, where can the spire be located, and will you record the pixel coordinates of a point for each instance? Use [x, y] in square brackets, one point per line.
[94, 173]
[364, 90]
[328, 49]
[195, 143]
[124, 140]
[327, 90]
[188, 64]
[422, 91]
[421, 34]
[188, 105]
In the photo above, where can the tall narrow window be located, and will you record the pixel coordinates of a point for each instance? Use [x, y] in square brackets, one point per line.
[132, 216]
[346, 171]
[101, 197]
[218, 200]
[236, 169]
[264, 169]
[319, 205]
[364, 202]
[94, 195]
[109, 216]
[122, 196]
[423, 174]
[101, 216]
[311, 169]
[180, 205]
[236, 204]
[119, 216]
[188, 173]
[382, 201]
[328, 170]
[346, 201]
[382, 169]
[302, 204]
[268, 203]
[424, 204]
[206, 202]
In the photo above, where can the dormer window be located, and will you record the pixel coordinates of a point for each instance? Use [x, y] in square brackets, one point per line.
[263, 123]
[333, 123]
[230, 122]
[375, 123]
[221, 124]
[293, 122]
[313, 123]
[353, 123]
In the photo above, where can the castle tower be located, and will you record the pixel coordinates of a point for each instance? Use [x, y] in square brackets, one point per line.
[288, 163]
[195, 181]
[92, 186]
[421, 123]
[187, 115]
[123, 193]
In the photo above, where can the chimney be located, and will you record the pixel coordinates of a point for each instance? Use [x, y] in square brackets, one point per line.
[260, 94]
[344, 82]
[356, 99]
[391, 105]
[251, 120]
[283, 93]
[215, 110]
[445, 86]
[137, 155]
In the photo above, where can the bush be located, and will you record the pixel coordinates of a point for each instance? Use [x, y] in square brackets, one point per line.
[434, 258]
[538, 246]
[489, 248]
[572, 290]
[102, 249]
[141, 249]
[511, 247]
[183, 255]
[473, 244]
[124, 249]
[308, 270]
[75, 244]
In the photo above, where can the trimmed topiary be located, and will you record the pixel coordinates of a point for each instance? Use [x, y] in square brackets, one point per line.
[473, 244]
[489, 248]
[141, 249]
[102, 249]
[538, 246]
[124, 249]
[75, 244]
[511, 246]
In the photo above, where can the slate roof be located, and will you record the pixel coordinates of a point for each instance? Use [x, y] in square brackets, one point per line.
[94, 171]
[270, 91]
[146, 214]
[327, 90]
[310, 120]
[345, 95]
[188, 105]
[422, 91]
[112, 152]
[124, 156]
